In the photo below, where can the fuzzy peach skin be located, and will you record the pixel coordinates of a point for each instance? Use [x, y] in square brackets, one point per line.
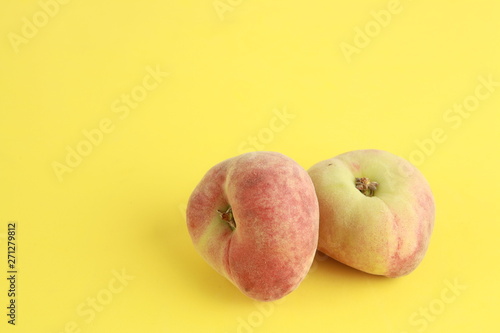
[275, 215]
[384, 234]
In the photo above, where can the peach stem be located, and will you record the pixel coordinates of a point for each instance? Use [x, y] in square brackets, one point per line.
[227, 216]
[365, 186]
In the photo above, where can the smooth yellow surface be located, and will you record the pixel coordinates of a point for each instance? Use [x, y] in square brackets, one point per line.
[101, 239]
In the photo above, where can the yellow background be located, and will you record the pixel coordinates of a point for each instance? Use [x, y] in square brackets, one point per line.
[342, 76]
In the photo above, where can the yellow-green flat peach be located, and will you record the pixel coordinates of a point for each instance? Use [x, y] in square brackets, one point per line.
[376, 211]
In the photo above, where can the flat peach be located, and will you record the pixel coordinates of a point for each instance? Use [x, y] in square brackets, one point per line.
[254, 219]
[376, 211]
